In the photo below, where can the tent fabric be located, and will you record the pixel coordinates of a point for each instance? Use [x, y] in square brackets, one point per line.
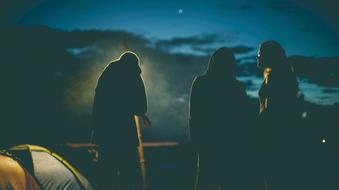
[51, 173]
[15, 177]
[51, 170]
[83, 181]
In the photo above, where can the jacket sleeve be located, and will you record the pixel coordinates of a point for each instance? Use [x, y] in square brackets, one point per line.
[140, 98]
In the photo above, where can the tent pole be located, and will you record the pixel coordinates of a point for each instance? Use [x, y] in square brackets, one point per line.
[141, 153]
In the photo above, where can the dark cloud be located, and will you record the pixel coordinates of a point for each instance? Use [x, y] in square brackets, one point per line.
[205, 50]
[201, 45]
[198, 45]
[205, 39]
[323, 71]
[242, 49]
[330, 90]
[235, 49]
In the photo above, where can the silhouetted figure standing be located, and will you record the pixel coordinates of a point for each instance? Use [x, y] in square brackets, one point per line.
[220, 128]
[119, 95]
[278, 96]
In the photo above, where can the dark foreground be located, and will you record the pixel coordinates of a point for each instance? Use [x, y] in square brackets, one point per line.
[172, 165]
[169, 165]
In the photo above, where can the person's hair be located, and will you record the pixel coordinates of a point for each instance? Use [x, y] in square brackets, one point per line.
[222, 62]
[272, 54]
[275, 61]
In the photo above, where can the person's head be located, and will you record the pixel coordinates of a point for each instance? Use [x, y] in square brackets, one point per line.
[131, 62]
[222, 62]
[271, 55]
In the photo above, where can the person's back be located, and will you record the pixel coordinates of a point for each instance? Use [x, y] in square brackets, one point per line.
[278, 94]
[120, 94]
[218, 111]
[278, 116]
[222, 110]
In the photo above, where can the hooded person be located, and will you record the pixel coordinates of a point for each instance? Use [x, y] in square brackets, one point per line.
[280, 84]
[278, 117]
[119, 95]
[218, 116]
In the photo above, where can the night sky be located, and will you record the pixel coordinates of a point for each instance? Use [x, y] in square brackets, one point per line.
[186, 33]
[293, 23]
[300, 26]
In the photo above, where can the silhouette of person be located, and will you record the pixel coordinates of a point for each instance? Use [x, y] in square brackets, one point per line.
[219, 111]
[119, 95]
[278, 98]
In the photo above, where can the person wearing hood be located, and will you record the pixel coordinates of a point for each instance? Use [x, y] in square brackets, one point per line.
[119, 95]
[220, 126]
[278, 118]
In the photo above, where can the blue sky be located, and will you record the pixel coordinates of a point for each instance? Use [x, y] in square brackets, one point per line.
[244, 22]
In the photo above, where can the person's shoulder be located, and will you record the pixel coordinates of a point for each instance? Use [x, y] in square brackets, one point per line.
[199, 83]
[112, 68]
[109, 72]
[113, 65]
[199, 79]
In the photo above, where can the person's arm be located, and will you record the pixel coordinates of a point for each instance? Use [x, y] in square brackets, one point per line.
[99, 101]
[194, 112]
[140, 103]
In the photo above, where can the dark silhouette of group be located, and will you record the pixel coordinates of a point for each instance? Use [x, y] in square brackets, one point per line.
[233, 153]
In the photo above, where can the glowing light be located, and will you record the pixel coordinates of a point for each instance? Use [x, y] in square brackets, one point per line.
[323, 141]
[180, 11]
[304, 114]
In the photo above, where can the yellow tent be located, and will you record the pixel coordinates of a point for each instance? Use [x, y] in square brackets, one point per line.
[14, 177]
[49, 169]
